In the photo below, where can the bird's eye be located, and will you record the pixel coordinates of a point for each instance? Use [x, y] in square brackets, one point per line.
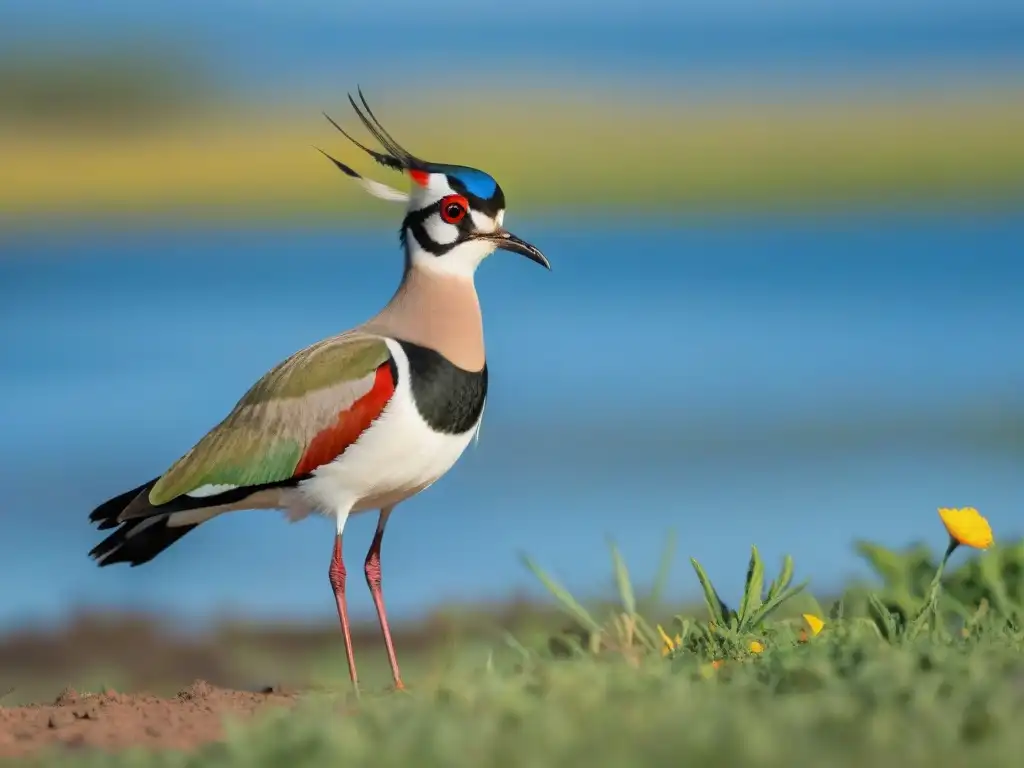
[453, 209]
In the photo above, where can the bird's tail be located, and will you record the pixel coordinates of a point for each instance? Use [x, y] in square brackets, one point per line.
[135, 541]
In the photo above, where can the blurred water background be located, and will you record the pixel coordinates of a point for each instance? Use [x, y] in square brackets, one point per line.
[795, 377]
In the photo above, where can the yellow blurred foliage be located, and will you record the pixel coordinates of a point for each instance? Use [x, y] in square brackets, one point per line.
[544, 153]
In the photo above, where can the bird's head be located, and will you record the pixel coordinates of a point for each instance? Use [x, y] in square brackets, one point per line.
[454, 216]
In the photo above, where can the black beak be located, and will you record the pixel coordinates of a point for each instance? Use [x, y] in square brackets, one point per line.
[509, 242]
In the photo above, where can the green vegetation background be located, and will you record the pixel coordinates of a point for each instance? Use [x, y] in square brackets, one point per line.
[899, 676]
[93, 136]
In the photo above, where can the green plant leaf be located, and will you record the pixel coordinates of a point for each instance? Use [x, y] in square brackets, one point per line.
[772, 604]
[752, 589]
[890, 566]
[991, 573]
[664, 566]
[625, 586]
[564, 598]
[870, 622]
[883, 615]
[714, 603]
[647, 634]
[838, 609]
[685, 626]
[515, 645]
[784, 578]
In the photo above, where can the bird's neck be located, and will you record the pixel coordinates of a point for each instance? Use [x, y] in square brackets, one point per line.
[437, 311]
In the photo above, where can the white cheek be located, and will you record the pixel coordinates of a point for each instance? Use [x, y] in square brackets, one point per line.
[460, 261]
[440, 231]
[499, 220]
[482, 222]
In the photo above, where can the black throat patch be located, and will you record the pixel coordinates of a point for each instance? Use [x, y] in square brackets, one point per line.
[450, 399]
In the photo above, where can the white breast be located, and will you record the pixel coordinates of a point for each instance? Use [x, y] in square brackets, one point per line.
[398, 456]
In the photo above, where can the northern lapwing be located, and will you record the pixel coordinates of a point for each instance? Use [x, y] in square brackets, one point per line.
[359, 421]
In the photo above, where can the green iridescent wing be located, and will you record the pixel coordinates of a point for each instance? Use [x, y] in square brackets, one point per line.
[301, 414]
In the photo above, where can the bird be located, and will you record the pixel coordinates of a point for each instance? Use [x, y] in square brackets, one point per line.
[360, 421]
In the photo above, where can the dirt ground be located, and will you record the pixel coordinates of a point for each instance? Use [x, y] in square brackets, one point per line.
[112, 720]
[240, 670]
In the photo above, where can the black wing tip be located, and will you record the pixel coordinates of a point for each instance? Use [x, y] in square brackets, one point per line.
[105, 515]
[134, 545]
[135, 550]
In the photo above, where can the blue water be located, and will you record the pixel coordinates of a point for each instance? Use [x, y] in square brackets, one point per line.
[691, 45]
[794, 383]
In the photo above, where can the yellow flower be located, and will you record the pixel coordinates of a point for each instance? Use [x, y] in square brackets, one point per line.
[756, 646]
[814, 623]
[670, 644]
[967, 527]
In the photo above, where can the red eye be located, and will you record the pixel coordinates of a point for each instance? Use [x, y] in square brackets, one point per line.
[453, 208]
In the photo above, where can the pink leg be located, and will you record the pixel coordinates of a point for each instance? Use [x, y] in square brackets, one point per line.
[337, 575]
[372, 568]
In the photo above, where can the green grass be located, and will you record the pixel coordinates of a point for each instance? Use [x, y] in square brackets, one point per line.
[847, 701]
[937, 683]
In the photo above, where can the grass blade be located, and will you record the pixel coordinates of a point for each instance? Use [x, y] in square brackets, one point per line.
[784, 578]
[714, 603]
[647, 634]
[990, 567]
[564, 598]
[772, 604]
[751, 599]
[884, 615]
[626, 593]
[668, 554]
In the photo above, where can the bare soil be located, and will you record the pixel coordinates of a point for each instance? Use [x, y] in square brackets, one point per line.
[112, 721]
[240, 669]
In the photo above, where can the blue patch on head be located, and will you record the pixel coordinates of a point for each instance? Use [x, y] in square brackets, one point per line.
[476, 182]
